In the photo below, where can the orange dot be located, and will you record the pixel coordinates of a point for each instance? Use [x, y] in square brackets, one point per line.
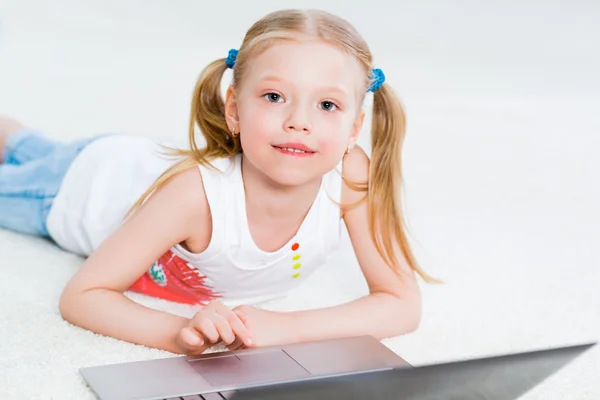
[295, 246]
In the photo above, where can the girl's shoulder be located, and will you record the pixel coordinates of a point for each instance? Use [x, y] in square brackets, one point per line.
[355, 167]
[189, 184]
[185, 191]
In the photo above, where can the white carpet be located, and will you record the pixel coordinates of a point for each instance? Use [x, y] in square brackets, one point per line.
[501, 168]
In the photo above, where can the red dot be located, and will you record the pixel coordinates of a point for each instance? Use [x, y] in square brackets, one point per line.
[295, 246]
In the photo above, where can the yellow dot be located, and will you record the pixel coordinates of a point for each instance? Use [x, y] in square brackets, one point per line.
[297, 256]
[298, 265]
[296, 275]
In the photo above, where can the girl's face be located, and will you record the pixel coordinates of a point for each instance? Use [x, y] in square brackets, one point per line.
[297, 110]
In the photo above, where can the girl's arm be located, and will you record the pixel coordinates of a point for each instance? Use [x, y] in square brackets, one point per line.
[393, 306]
[94, 298]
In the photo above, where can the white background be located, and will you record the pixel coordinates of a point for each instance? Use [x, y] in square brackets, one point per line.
[500, 162]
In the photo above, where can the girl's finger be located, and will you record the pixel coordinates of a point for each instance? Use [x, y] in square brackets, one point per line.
[207, 328]
[236, 345]
[240, 329]
[225, 331]
[191, 338]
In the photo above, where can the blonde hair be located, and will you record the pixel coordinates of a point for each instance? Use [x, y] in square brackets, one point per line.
[386, 221]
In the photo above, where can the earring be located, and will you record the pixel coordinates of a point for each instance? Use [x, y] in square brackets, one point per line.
[347, 149]
[233, 132]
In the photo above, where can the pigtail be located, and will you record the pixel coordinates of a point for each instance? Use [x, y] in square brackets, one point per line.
[387, 223]
[208, 114]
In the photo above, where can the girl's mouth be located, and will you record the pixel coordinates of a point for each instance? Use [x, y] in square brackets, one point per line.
[294, 149]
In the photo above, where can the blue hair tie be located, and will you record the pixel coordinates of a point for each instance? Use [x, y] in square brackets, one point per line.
[230, 61]
[378, 78]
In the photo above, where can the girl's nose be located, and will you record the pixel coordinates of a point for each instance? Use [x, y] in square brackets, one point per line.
[298, 120]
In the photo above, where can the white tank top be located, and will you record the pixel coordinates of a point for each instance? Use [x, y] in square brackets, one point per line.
[111, 173]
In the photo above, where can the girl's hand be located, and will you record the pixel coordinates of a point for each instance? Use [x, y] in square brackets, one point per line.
[268, 328]
[213, 324]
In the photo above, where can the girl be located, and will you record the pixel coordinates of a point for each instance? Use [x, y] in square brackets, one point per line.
[245, 218]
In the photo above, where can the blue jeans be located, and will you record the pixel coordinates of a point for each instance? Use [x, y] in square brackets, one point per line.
[32, 172]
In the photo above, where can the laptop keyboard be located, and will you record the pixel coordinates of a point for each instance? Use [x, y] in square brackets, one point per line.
[206, 396]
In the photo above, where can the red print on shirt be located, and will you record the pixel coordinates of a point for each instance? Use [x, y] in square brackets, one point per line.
[173, 279]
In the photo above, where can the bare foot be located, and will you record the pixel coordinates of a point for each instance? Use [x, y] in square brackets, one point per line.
[7, 127]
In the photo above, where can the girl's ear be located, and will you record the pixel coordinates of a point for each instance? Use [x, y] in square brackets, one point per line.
[231, 110]
[356, 127]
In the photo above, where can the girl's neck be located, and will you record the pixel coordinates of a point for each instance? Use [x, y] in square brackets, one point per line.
[266, 198]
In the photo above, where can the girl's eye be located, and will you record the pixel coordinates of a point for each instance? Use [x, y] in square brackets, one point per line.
[328, 106]
[272, 97]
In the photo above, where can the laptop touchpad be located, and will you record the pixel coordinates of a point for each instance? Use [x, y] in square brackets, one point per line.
[249, 368]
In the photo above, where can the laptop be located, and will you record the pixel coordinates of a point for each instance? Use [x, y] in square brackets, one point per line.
[341, 368]
[497, 378]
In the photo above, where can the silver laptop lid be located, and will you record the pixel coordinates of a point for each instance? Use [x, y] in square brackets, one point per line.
[496, 378]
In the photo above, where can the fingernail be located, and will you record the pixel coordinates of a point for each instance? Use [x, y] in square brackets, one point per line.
[195, 339]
